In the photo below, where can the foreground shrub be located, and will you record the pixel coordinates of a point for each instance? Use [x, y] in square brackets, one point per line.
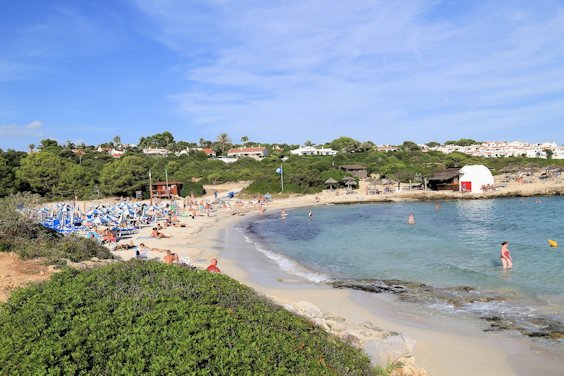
[150, 318]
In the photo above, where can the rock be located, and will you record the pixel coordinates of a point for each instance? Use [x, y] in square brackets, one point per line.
[408, 368]
[390, 349]
[95, 259]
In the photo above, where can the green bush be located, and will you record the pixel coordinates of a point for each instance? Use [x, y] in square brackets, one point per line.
[191, 187]
[150, 318]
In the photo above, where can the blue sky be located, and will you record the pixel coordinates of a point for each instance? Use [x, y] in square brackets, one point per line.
[281, 71]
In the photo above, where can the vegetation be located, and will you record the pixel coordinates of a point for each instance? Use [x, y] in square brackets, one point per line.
[19, 233]
[60, 171]
[147, 317]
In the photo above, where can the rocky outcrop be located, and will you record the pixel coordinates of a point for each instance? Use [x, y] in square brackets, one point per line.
[382, 347]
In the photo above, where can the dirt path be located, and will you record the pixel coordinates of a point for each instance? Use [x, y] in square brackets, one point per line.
[15, 273]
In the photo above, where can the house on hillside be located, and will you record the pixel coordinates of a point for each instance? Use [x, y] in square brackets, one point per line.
[359, 171]
[310, 150]
[150, 151]
[255, 152]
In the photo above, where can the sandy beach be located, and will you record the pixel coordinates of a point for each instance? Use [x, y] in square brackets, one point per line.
[366, 319]
[440, 349]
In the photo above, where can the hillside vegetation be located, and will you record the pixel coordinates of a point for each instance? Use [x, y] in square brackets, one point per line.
[149, 318]
[69, 171]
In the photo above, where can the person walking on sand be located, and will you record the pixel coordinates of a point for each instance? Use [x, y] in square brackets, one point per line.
[213, 267]
[506, 260]
[411, 219]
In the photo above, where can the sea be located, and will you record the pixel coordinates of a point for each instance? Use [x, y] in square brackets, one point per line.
[448, 261]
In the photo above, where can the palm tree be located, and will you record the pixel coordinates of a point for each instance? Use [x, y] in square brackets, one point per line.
[223, 140]
[244, 140]
[31, 148]
[308, 143]
[117, 140]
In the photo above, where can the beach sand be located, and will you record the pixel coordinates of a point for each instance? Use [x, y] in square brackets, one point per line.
[440, 349]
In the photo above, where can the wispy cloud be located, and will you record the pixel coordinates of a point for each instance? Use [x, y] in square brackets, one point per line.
[409, 69]
[14, 130]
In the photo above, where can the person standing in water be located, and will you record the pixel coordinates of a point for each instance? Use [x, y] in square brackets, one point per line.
[411, 219]
[506, 260]
[310, 215]
[283, 213]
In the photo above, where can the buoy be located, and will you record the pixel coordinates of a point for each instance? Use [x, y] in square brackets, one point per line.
[552, 243]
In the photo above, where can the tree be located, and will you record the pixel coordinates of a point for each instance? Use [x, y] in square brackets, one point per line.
[433, 144]
[31, 148]
[244, 140]
[409, 146]
[50, 146]
[42, 171]
[6, 177]
[308, 143]
[345, 144]
[549, 153]
[124, 176]
[462, 142]
[76, 180]
[117, 140]
[223, 140]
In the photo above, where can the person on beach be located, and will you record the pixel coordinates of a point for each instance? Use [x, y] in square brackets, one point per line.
[170, 258]
[506, 260]
[159, 235]
[411, 219]
[213, 267]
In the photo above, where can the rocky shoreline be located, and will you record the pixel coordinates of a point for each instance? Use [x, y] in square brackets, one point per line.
[460, 298]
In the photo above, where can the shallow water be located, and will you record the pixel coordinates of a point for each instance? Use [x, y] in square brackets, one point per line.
[457, 245]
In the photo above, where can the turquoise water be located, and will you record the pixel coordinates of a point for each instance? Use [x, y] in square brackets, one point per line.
[457, 245]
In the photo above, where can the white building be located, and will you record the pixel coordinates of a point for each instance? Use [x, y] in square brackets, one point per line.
[150, 151]
[473, 178]
[310, 150]
[256, 153]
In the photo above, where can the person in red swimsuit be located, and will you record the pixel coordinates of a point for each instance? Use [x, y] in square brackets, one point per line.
[505, 256]
[213, 267]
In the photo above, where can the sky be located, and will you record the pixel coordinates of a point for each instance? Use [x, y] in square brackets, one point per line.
[281, 71]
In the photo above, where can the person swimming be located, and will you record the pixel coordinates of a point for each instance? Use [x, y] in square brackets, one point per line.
[283, 213]
[506, 260]
[411, 219]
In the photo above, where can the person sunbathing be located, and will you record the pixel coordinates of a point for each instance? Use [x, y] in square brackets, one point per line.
[125, 245]
[159, 235]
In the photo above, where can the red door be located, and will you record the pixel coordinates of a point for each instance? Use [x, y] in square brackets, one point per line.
[466, 186]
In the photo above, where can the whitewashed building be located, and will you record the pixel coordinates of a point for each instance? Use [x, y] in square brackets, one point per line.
[473, 178]
[310, 150]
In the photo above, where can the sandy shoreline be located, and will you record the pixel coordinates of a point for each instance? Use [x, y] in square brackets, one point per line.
[440, 350]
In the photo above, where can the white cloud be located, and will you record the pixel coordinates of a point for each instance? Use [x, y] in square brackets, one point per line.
[15, 131]
[319, 69]
[34, 125]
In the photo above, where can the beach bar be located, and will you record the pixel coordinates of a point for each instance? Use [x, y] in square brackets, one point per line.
[163, 189]
[445, 180]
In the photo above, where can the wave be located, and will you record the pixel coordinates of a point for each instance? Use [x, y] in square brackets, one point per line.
[288, 264]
